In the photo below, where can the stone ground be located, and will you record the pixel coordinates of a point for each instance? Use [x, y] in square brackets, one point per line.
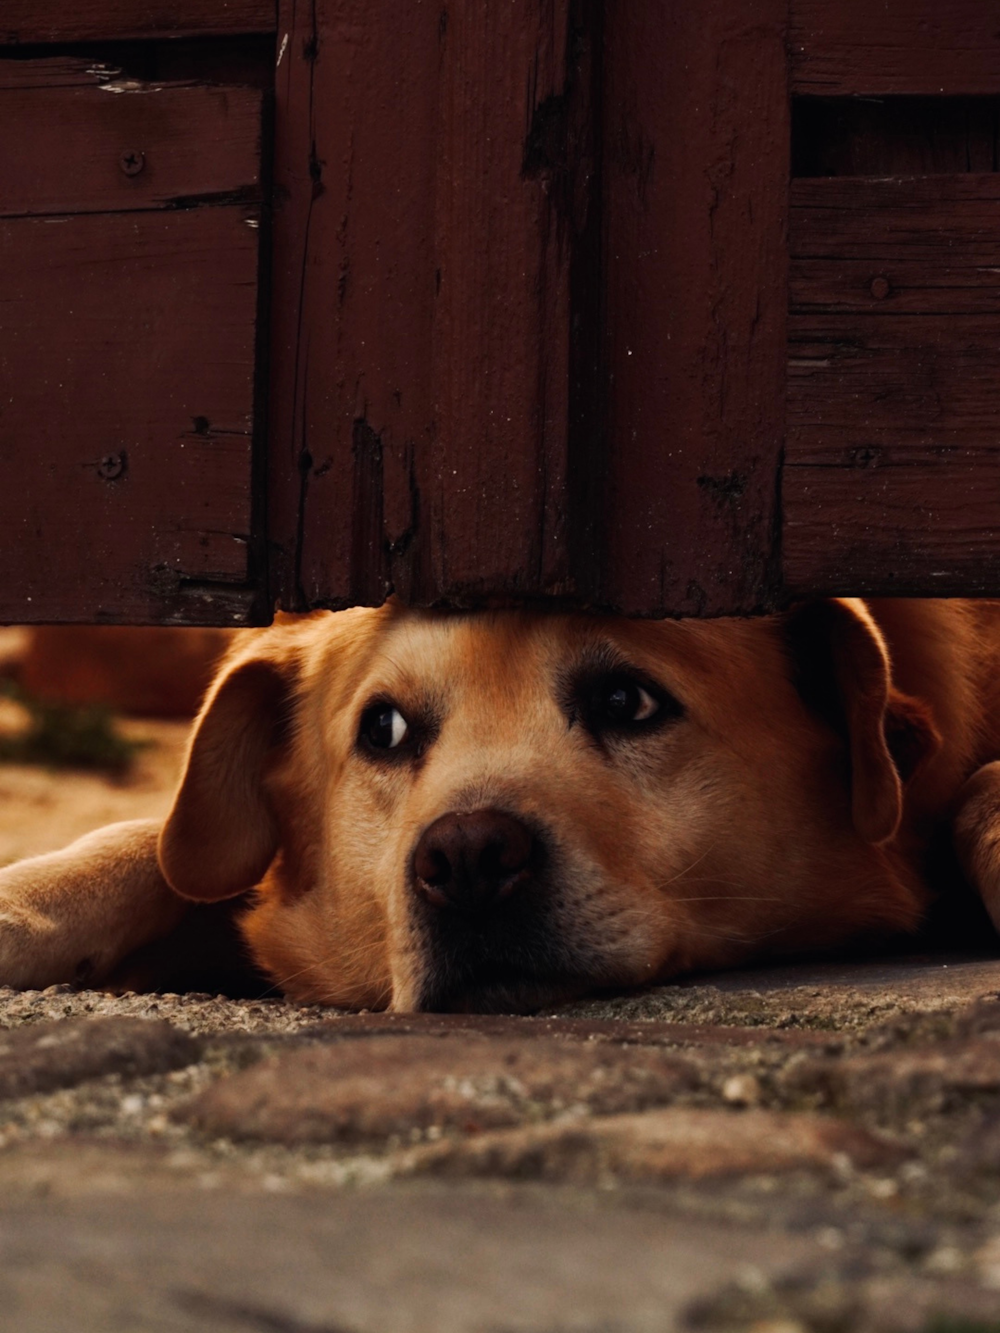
[810, 1149]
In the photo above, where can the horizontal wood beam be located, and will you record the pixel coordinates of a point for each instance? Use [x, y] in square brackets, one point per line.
[847, 48]
[109, 145]
[26, 22]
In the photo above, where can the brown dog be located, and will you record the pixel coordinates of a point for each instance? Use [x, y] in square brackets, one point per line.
[501, 809]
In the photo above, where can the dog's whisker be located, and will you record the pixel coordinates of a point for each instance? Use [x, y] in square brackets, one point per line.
[687, 869]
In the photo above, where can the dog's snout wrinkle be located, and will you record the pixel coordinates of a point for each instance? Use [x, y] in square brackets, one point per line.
[470, 862]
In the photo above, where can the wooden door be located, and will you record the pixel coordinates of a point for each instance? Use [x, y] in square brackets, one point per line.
[655, 307]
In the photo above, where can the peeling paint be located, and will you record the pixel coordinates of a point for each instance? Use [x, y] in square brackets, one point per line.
[131, 86]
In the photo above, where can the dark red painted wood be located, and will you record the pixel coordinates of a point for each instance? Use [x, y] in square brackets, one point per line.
[893, 519]
[894, 386]
[75, 128]
[126, 377]
[934, 47]
[30, 21]
[871, 372]
[890, 282]
[929, 218]
[420, 346]
[696, 161]
[127, 360]
[533, 309]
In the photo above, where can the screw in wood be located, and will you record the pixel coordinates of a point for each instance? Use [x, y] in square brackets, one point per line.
[866, 456]
[111, 467]
[880, 288]
[132, 161]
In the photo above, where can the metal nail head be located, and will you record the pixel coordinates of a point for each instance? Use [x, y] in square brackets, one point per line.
[111, 467]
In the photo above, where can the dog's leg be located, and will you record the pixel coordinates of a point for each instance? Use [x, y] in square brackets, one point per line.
[976, 830]
[72, 915]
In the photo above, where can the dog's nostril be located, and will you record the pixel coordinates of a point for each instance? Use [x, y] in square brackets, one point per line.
[432, 866]
[471, 861]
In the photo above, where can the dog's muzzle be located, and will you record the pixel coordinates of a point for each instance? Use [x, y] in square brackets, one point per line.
[483, 891]
[472, 863]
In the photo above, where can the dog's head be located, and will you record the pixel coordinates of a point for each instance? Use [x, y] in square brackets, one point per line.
[501, 809]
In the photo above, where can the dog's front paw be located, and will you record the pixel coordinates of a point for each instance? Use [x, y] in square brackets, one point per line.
[976, 831]
[32, 955]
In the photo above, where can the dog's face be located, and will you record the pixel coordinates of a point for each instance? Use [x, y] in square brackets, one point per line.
[500, 810]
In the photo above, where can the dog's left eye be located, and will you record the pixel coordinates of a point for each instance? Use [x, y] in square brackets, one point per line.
[621, 701]
[384, 727]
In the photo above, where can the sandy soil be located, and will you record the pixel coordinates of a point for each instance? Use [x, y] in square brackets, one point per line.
[41, 810]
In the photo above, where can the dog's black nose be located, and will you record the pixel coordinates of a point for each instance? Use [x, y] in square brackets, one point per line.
[471, 861]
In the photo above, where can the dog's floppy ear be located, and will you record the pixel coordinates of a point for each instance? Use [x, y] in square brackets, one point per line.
[221, 835]
[844, 673]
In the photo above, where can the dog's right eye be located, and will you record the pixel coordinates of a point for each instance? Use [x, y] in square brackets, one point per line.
[384, 727]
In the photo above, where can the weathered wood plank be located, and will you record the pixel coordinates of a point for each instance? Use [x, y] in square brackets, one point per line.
[854, 47]
[891, 520]
[892, 450]
[111, 145]
[28, 21]
[872, 372]
[888, 284]
[353, 294]
[503, 316]
[696, 167]
[420, 348]
[838, 447]
[941, 219]
[126, 378]
[901, 246]
[53, 72]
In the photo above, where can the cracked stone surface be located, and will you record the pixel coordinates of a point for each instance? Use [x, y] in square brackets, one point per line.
[806, 1149]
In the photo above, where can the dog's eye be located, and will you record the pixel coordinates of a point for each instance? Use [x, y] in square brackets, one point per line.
[384, 727]
[622, 701]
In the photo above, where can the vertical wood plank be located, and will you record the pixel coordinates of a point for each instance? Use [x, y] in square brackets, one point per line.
[426, 202]
[353, 291]
[696, 164]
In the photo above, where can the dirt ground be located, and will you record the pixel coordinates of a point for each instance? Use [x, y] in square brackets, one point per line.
[41, 810]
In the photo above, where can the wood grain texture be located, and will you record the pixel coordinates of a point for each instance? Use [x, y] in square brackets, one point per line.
[894, 387]
[894, 298]
[892, 519]
[420, 350]
[889, 283]
[932, 218]
[874, 372]
[194, 143]
[855, 47]
[696, 168]
[30, 21]
[126, 378]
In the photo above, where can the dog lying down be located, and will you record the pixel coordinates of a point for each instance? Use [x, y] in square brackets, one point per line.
[500, 810]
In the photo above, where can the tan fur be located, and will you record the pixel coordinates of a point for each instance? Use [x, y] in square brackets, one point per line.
[787, 809]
